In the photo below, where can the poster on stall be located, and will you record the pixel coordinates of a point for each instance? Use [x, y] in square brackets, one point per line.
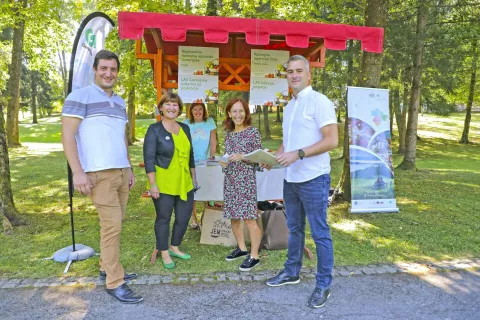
[198, 74]
[268, 80]
[371, 167]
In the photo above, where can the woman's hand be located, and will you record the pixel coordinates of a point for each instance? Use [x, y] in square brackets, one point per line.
[236, 157]
[223, 164]
[154, 191]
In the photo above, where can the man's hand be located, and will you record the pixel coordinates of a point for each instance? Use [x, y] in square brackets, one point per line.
[287, 158]
[82, 183]
[131, 180]
[265, 166]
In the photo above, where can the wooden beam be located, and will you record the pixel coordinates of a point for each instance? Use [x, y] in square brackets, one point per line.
[138, 46]
[158, 65]
[156, 38]
[234, 87]
[317, 64]
[234, 73]
[313, 50]
[234, 61]
[145, 56]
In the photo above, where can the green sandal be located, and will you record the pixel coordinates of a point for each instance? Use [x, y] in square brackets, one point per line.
[186, 256]
[170, 265]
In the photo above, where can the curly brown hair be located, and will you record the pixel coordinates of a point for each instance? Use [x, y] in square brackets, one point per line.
[171, 97]
[190, 113]
[228, 122]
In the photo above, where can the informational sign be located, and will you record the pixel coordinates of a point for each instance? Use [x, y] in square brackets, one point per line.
[198, 69]
[371, 168]
[268, 80]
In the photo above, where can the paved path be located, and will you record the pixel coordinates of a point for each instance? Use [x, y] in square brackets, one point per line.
[443, 295]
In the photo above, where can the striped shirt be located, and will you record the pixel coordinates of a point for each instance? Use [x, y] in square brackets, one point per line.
[101, 135]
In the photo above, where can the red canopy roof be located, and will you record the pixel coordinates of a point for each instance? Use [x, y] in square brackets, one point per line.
[257, 33]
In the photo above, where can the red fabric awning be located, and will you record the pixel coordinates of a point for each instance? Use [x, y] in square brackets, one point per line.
[258, 33]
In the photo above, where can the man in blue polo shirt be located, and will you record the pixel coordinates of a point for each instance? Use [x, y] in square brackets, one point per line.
[309, 132]
[94, 142]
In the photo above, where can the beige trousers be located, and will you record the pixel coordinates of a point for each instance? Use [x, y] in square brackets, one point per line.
[110, 196]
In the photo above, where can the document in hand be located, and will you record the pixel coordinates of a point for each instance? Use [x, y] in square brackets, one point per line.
[261, 156]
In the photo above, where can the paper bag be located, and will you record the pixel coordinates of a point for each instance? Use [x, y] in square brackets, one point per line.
[218, 230]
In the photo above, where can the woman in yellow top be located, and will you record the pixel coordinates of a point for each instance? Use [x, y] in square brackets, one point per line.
[170, 167]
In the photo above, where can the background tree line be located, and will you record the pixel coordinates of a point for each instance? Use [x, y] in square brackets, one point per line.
[429, 63]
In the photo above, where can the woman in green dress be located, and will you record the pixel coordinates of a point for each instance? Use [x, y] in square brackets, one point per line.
[170, 167]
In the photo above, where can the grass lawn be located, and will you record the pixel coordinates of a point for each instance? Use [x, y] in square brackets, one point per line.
[438, 217]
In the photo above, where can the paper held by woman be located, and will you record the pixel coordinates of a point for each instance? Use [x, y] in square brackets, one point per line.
[263, 157]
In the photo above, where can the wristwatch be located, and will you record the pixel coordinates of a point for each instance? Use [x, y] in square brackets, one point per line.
[301, 154]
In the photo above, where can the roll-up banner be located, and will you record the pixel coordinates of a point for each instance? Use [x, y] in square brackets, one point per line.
[89, 40]
[371, 167]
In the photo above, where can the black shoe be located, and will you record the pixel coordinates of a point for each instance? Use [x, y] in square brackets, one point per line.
[318, 298]
[124, 294]
[126, 277]
[249, 263]
[281, 279]
[236, 253]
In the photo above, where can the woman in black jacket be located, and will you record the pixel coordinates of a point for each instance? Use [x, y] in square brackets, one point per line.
[170, 167]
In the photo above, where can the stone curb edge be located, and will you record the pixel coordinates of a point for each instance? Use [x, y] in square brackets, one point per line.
[306, 273]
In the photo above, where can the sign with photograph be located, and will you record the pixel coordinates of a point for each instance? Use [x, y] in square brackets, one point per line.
[268, 80]
[198, 69]
[371, 168]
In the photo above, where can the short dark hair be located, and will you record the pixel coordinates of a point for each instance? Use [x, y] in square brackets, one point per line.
[228, 122]
[190, 113]
[171, 97]
[105, 55]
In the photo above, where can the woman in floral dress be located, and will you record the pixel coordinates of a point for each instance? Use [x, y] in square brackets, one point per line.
[240, 184]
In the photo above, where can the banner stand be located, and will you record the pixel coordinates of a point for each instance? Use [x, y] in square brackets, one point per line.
[370, 145]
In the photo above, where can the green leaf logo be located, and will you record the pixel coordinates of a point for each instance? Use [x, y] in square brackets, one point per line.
[90, 38]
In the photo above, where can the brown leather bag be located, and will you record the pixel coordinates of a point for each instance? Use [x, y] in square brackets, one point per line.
[275, 234]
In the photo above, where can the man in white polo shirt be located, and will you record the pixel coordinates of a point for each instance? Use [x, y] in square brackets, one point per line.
[309, 132]
[94, 142]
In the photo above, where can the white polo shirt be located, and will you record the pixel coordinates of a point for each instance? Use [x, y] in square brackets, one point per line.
[101, 135]
[303, 118]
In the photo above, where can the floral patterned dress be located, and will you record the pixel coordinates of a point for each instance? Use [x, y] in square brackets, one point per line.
[240, 183]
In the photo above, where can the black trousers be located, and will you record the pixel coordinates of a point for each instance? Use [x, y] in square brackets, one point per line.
[164, 207]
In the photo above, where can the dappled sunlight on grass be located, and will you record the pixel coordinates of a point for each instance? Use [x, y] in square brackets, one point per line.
[351, 226]
[438, 219]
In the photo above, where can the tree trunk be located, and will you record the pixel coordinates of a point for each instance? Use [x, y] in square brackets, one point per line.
[13, 137]
[131, 110]
[279, 119]
[8, 212]
[266, 123]
[408, 162]
[34, 96]
[471, 94]
[64, 71]
[392, 101]
[350, 76]
[401, 113]
[375, 16]
[211, 8]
